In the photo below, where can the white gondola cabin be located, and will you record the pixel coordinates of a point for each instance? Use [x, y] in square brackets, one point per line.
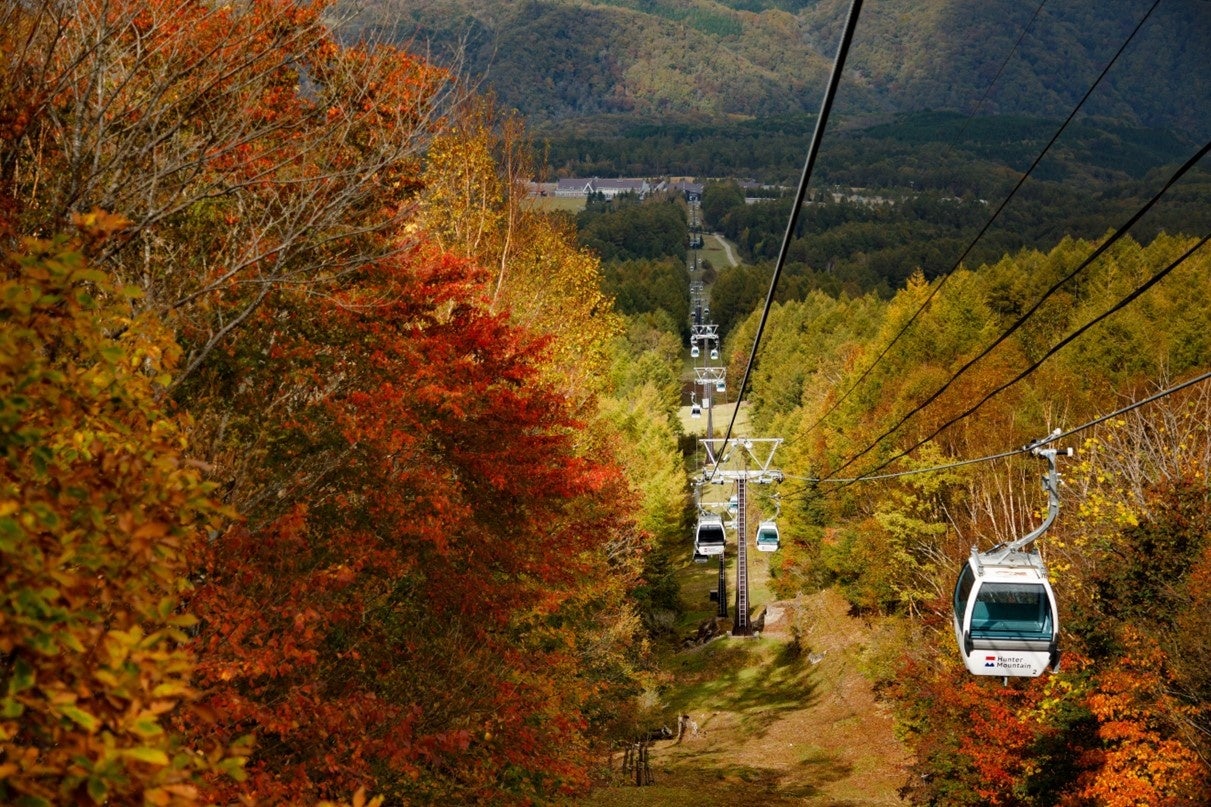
[709, 537]
[714, 354]
[767, 536]
[1005, 616]
[720, 386]
[695, 410]
[1006, 621]
[694, 352]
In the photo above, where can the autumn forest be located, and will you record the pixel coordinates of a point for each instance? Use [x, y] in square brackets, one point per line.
[337, 471]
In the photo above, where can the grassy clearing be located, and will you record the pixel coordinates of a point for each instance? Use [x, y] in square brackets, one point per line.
[751, 680]
[759, 593]
[568, 204]
[720, 415]
[714, 252]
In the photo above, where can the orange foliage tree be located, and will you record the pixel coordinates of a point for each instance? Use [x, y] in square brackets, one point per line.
[250, 151]
[1141, 758]
[412, 614]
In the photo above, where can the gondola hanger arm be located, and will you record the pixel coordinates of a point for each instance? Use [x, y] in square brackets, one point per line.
[1051, 484]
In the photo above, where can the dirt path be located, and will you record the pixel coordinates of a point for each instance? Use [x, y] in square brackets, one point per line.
[776, 729]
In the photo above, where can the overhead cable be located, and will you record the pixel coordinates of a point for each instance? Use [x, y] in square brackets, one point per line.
[1122, 230]
[996, 214]
[1132, 406]
[826, 105]
[1059, 435]
[1130, 297]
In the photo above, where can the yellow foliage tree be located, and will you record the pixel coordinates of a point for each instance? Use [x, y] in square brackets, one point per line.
[474, 205]
[98, 510]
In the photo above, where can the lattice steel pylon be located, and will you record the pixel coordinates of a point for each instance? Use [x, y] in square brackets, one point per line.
[741, 460]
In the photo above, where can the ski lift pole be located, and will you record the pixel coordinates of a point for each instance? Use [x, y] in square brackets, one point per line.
[1051, 484]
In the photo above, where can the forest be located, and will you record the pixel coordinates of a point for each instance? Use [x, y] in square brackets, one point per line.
[945, 152]
[857, 247]
[1125, 719]
[337, 472]
[623, 229]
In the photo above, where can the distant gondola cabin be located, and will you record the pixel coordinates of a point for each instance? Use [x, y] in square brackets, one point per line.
[767, 537]
[709, 537]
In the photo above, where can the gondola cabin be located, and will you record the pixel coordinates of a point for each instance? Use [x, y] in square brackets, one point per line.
[709, 537]
[720, 385]
[1005, 616]
[695, 410]
[714, 354]
[694, 352]
[733, 504]
[767, 536]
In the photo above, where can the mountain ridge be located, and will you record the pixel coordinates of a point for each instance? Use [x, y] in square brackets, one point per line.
[560, 60]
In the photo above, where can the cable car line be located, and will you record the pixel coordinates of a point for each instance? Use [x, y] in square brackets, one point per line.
[995, 215]
[1130, 297]
[826, 104]
[1005, 565]
[1021, 320]
[1005, 615]
[843, 483]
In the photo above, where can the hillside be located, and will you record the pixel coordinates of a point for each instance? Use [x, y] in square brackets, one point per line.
[560, 60]
[335, 472]
[776, 727]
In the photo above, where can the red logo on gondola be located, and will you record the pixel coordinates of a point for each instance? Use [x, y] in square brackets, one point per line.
[990, 661]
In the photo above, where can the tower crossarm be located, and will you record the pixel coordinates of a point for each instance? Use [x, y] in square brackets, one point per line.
[750, 458]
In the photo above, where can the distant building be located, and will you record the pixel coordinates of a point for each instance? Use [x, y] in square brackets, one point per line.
[755, 192]
[692, 190]
[860, 196]
[573, 187]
